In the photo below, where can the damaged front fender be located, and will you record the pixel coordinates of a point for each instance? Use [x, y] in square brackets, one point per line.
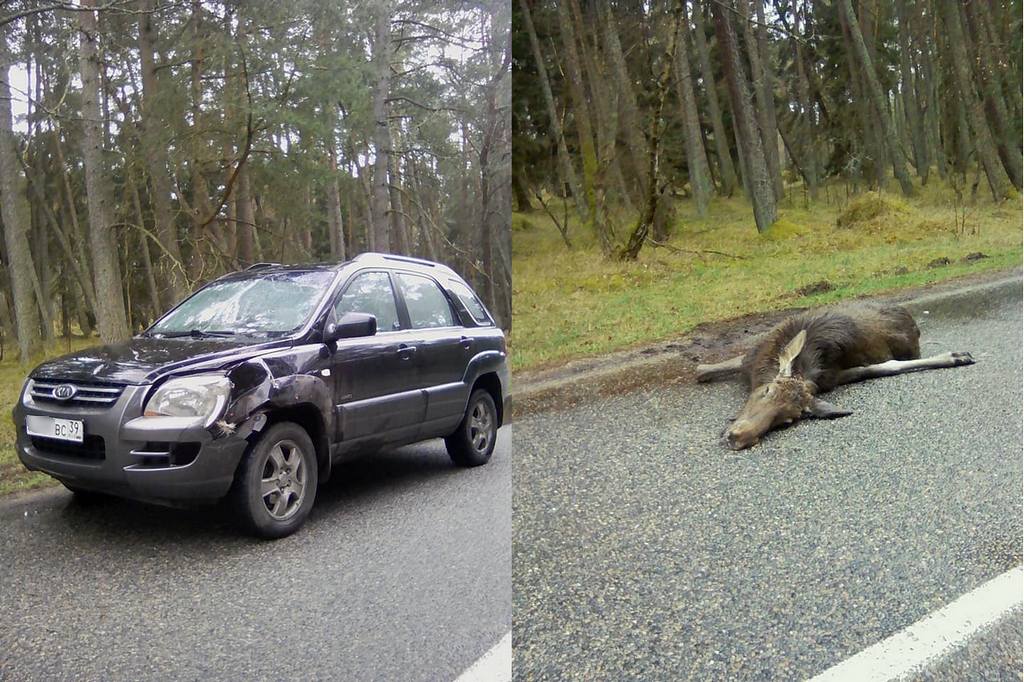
[264, 384]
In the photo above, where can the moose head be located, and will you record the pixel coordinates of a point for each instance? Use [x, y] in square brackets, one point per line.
[781, 401]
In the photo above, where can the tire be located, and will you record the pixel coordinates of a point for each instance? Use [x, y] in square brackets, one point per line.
[284, 460]
[473, 442]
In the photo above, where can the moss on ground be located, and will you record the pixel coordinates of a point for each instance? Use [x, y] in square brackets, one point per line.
[869, 208]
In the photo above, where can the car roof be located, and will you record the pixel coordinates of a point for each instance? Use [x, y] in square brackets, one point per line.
[364, 259]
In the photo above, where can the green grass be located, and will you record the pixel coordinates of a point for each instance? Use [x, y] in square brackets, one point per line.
[575, 303]
[13, 475]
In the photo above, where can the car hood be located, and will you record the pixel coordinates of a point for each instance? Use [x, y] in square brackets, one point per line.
[143, 360]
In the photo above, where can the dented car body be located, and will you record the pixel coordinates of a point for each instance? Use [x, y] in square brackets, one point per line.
[408, 380]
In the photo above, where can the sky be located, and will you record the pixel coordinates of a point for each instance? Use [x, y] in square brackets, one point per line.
[19, 103]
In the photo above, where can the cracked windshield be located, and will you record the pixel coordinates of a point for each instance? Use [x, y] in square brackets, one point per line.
[266, 305]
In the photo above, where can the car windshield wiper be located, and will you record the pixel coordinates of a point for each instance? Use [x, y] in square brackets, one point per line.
[197, 333]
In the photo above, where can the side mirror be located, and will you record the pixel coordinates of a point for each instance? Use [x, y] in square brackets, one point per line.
[350, 326]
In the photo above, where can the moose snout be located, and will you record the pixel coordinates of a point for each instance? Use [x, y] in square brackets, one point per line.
[738, 437]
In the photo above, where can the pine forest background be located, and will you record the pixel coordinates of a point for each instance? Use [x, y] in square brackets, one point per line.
[148, 146]
[695, 160]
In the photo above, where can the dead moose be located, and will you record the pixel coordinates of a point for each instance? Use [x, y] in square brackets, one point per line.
[813, 352]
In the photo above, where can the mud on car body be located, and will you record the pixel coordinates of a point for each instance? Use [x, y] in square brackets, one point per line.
[256, 385]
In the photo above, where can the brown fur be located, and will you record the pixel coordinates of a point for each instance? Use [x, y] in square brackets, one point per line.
[837, 339]
[804, 355]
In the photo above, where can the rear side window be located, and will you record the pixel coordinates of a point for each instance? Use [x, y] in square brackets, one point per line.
[371, 293]
[469, 299]
[427, 304]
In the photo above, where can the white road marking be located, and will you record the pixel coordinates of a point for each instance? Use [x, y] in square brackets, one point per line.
[494, 666]
[934, 635]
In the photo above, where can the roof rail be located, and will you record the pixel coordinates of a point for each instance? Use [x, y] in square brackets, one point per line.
[257, 266]
[370, 255]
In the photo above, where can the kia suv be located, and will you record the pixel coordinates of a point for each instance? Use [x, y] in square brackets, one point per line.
[256, 385]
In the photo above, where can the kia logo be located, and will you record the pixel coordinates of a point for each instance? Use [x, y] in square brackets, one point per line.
[65, 392]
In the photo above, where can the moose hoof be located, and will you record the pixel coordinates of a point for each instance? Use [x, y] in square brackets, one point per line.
[962, 358]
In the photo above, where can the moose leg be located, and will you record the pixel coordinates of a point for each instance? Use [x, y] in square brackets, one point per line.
[893, 367]
[719, 370]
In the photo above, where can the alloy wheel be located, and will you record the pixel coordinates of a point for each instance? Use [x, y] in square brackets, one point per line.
[283, 483]
[481, 429]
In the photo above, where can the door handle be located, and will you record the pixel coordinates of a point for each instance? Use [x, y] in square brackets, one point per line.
[465, 342]
[406, 351]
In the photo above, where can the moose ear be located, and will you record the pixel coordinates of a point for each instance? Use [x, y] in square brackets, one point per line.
[820, 409]
[789, 353]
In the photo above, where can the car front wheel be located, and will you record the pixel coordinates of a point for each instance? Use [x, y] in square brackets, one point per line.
[276, 483]
[473, 442]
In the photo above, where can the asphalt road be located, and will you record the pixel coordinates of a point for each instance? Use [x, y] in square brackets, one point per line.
[401, 572]
[643, 549]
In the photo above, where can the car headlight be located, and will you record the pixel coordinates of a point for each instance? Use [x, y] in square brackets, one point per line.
[201, 397]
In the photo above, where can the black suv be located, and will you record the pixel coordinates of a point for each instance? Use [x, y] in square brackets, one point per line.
[254, 386]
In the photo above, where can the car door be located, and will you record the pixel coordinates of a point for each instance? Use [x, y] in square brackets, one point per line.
[444, 349]
[378, 396]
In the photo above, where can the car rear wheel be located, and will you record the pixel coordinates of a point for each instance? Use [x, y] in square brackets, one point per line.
[276, 483]
[473, 442]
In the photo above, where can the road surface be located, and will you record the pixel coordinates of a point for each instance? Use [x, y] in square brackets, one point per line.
[643, 549]
[401, 572]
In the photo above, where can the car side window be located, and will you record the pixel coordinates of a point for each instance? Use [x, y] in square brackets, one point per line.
[470, 300]
[370, 293]
[427, 304]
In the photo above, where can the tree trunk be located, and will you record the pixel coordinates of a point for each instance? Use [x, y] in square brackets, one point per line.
[492, 211]
[565, 167]
[759, 184]
[154, 291]
[998, 180]
[381, 132]
[399, 240]
[726, 168]
[203, 249]
[426, 231]
[911, 112]
[878, 100]
[154, 149]
[79, 265]
[631, 122]
[762, 85]
[645, 222]
[807, 127]
[336, 222]
[1005, 135]
[1008, 78]
[606, 120]
[520, 190]
[13, 209]
[696, 158]
[581, 117]
[928, 93]
[110, 313]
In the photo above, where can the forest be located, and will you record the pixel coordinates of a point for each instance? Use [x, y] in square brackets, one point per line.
[619, 103]
[148, 146]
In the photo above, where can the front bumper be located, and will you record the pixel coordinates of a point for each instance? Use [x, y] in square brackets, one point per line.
[129, 461]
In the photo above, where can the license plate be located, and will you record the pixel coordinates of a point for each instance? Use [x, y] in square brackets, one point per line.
[51, 427]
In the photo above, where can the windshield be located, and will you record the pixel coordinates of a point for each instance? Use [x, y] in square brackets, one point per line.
[266, 304]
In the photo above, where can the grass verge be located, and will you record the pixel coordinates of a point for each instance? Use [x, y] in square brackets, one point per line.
[14, 476]
[572, 303]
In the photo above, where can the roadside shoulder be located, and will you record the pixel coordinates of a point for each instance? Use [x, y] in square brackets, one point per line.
[673, 360]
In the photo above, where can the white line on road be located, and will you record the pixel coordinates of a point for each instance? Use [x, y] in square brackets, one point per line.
[494, 666]
[934, 635]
